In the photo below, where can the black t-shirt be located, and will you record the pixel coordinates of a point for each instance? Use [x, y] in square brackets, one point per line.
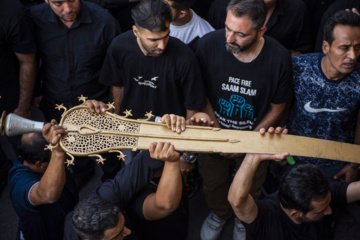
[170, 83]
[272, 223]
[240, 93]
[16, 35]
[172, 227]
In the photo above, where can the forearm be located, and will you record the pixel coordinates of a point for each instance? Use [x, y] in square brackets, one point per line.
[210, 111]
[241, 185]
[190, 113]
[118, 94]
[168, 193]
[27, 73]
[52, 182]
[353, 192]
[272, 116]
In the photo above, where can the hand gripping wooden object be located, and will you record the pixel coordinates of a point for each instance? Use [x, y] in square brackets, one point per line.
[90, 134]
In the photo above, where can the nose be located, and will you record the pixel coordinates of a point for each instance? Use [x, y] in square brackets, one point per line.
[230, 37]
[328, 211]
[162, 44]
[126, 232]
[67, 7]
[351, 54]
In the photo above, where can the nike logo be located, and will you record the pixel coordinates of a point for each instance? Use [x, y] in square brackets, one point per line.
[318, 110]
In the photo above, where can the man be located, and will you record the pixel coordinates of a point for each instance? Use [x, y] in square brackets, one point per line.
[154, 212]
[297, 211]
[287, 21]
[17, 71]
[41, 191]
[72, 37]
[327, 93]
[186, 25]
[248, 82]
[147, 68]
[333, 8]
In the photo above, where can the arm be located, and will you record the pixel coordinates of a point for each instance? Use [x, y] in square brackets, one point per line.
[350, 174]
[272, 116]
[167, 197]
[51, 184]
[240, 200]
[27, 74]
[118, 94]
[353, 192]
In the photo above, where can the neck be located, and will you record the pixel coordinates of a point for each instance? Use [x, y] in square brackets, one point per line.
[31, 166]
[329, 71]
[251, 54]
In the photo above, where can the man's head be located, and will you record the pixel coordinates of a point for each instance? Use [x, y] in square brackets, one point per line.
[31, 149]
[152, 21]
[67, 10]
[244, 24]
[180, 9]
[304, 193]
[95, 218]
[342, 42]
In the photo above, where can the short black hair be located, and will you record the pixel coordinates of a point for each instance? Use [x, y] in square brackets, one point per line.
[182, 4]
[302, 184]
[93, 215]
[152, 15]
[32, 149]
[341, 17]
[255, 9]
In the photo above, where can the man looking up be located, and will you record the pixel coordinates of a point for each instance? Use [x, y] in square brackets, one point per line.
[248, 80]
[305, 198]
[148, 69]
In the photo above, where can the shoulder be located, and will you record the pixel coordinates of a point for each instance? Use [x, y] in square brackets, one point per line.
[124, 41]
[308, 59]
[212, 39]
[98, 13]
[40, 10]
[294, 5]
[275, 50]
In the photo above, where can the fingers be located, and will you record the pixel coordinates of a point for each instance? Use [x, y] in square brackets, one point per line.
[277, 130]
[96, 106]
[52, 132]
[163, 151]
[174, 122]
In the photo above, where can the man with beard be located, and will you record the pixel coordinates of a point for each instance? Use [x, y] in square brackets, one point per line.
[248, 81]
[298, 211]
[327, 93]
[148, 69]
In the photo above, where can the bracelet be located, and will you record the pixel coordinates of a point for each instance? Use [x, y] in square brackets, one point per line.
[354, 167]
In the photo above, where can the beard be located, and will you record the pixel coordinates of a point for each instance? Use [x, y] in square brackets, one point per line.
[236, 48]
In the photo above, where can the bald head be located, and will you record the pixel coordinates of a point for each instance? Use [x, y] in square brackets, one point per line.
[31, 148]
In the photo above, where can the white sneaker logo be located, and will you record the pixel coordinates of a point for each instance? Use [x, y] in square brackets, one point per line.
[318, 110]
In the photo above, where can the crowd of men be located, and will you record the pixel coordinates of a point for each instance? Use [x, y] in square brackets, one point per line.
[256, 71]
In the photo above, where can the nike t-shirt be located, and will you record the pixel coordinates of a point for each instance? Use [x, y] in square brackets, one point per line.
[323, 108]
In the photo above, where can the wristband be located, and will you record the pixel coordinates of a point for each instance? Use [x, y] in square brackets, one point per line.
[190, 159]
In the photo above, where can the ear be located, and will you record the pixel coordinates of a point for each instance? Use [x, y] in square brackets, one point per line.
[183, 13]
[262, 31]
[41, 165]
[325, 47]
[47, 1]
[135, 30]
[294, 213]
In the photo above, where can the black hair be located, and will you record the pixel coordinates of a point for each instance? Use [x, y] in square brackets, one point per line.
[255, 9]
[32, 149]
[93, 215]
[342, 17]
[182, 4]
[302, 184]
[152, 15]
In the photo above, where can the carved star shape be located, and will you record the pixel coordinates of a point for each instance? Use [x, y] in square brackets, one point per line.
[82, 98]
[100, 160]
[69, 162]
[59, 107]
[110, 106]
[127, 113]
[50, 147]
[121, 156]
[149, 115]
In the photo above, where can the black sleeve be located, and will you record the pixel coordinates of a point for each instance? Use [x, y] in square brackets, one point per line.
[111, 71]
[285, 87]
[130, 180]
[338, 194]
[22, 37]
